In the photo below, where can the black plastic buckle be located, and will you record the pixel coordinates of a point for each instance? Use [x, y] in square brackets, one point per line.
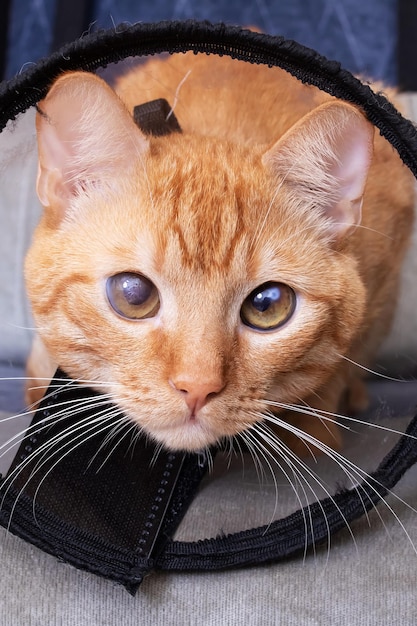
[156, 118]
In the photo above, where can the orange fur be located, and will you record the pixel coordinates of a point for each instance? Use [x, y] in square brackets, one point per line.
[251, 192]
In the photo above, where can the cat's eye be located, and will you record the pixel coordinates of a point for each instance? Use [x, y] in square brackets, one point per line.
[268, 306]
[132, 296]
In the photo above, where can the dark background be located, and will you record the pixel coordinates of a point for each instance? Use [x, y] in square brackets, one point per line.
[362, 34]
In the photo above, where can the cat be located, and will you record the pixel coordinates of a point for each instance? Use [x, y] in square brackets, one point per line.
[220, 282]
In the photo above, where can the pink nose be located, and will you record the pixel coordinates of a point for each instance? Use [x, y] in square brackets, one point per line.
[197, 392]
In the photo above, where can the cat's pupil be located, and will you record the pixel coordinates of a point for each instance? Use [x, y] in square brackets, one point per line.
[263, 299]
[132, 296]
[136, 289]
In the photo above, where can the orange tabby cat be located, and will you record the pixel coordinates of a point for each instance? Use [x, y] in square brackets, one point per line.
[210, 279]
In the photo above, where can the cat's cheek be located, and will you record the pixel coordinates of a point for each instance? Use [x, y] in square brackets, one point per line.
[295, 359]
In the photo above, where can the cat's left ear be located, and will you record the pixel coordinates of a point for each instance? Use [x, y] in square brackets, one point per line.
[323, 161]
[86, 138]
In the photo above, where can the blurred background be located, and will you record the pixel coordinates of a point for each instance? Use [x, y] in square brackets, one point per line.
[374, 38]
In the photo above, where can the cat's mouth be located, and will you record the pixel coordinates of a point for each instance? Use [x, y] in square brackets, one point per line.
[191, 431]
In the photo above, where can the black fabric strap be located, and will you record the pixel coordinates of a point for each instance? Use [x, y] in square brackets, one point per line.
[104, 503]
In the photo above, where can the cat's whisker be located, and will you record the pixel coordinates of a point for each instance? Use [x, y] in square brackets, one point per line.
[136, 432]
[31, 430]
[86, 429]
[177, 95]
[351, 470]
[58, 384]
[87, 434]
[157, 451]
[45, 423]
[303, 484]
[257, 463]
[228, 450]
[299, 466]
[331, 417]
[119, 432]
[114, 432]
[249, 438]
[233, 443]
[339, 461]
[51, 442]
[19, 327]
[373, 372]
[281, 451]
[206, 457]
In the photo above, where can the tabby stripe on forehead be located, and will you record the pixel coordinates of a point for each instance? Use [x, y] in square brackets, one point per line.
[202, 252]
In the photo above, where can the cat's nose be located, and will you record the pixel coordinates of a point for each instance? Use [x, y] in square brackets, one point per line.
[197, 392]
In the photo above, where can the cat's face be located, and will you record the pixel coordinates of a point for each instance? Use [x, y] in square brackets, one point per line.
[188, 275]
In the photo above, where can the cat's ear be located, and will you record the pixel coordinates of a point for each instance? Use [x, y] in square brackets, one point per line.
[85, 136]
[323, 161]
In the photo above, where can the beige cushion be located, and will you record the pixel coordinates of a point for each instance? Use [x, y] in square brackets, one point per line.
[19, 211]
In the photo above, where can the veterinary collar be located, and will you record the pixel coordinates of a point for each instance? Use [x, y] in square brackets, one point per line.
[114, 512]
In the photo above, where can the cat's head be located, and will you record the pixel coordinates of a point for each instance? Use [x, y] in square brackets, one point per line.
[194, 277]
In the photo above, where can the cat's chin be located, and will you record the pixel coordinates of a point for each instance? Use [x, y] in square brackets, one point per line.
[192, 437]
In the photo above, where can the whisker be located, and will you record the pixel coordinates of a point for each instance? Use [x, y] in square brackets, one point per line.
[259, 468]
[157, 451]
[320, 483]
[351, 470]
[52, 381]
[233, 442]
[294, 462]
[52, 448]
[375, 373]
[116, 433]
[31, 430]
[81, 438]
[328, 415]
[286, 454]
[48, 444]
[249, 438]
[45, 424]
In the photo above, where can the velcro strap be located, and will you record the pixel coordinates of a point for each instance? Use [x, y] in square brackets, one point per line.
[87, 487]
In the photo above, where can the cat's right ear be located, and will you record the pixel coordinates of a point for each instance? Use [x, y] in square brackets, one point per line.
[84, 133]
[324, 161]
